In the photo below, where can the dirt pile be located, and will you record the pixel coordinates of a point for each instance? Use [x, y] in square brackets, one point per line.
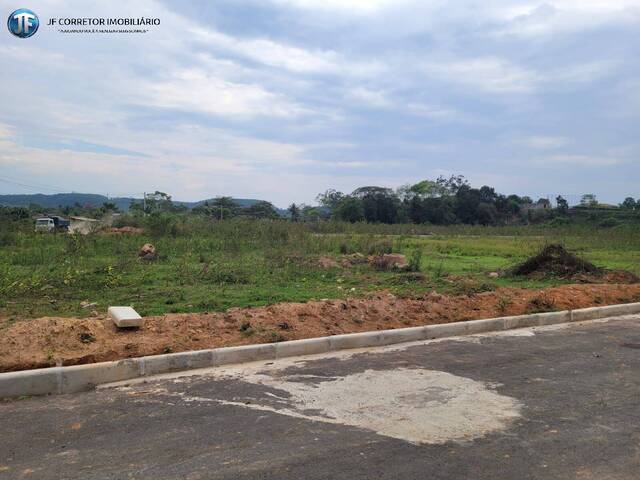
[148, 252]
[49, 341]
[124, 230]
[555, 260]
[389, 261]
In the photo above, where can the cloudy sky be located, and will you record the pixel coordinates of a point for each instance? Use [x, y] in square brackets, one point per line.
[282, 99]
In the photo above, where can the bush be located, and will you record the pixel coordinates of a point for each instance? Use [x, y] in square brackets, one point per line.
[415, 260]
[7, 239]
[559, 222]
[609, 223]
[159, 225]
[380, 248]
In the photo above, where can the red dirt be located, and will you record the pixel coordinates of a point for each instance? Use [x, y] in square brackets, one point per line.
[52, 341]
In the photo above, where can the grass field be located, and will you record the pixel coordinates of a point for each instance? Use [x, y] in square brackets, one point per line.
[236, 263]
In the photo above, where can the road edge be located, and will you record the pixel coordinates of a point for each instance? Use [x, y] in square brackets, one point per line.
[77, 378]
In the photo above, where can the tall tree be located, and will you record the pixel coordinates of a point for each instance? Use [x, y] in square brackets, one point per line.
[589, 200]
[629, 203]
[294, 211]
[562, 205]
[261, 209]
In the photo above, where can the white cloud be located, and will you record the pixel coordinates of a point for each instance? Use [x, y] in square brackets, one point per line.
[290, 57]
[435, 112]
[544, 142]
[350, 6]
[578, 161]
[195, 90]
[491, 74]
[555, 17]
[373, 98]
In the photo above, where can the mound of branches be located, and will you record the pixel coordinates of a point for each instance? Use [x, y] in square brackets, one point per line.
[555, 260]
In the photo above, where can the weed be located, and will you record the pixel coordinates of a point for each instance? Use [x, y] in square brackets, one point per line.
[275, 337]
[503, 304]
[415, 260]
[86, 337]
[540, 304]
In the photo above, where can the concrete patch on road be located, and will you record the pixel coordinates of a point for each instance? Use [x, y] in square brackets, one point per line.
[416, 405]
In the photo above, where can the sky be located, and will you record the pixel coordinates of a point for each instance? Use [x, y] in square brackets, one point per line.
[283, 99]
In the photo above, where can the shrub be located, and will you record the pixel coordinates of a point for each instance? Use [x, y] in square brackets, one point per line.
[609, 223]
[415, 260]
[559, 222]
[380, 248]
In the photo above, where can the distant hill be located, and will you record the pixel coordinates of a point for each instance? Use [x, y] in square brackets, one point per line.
[92, 199]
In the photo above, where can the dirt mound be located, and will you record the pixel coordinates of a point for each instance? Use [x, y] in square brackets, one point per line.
[148, 252]
[124, 230]
[555, 260]
[48, 341]
[389, 261]
[327, 263]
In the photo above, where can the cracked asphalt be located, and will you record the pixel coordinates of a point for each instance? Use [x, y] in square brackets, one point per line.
[543, 403]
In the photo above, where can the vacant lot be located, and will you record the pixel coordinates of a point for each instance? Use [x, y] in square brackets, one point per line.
[216, 266]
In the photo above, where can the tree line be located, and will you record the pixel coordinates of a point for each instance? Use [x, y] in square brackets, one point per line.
[447, 201]
[443, 201]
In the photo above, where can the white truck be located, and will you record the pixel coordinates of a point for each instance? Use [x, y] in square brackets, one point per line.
[52, 224]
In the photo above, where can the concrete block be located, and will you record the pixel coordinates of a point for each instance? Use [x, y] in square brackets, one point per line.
[592, 313]
[245, 353]
[401, 335]
[308, 346]
[554, 318]
[481, 326]
[520, 321]
[85, 377]
[444, 330]
[125, 317]
[356, 340]
[173, 362]
[30, 382]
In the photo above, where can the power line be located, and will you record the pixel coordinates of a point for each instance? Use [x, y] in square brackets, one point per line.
[28, 185]
[39, 186]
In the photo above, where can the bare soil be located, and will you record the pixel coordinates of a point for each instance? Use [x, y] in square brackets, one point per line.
[50, 341]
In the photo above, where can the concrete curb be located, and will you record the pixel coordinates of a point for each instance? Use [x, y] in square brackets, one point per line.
[85, 377]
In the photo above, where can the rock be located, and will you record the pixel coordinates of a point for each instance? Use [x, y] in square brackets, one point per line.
[327, 262]
[389, 261]
[148, 252]
[494, 275]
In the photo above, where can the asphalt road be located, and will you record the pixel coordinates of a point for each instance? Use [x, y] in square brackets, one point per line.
[548, 403]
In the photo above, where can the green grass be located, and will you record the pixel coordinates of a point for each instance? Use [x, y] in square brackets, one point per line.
[208, 266]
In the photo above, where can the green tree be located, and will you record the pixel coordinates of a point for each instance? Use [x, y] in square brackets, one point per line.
[350, 210]
[261, 209]
[562, 205]
[223, 207]
[629, 204]
[589, 200]
[330, 199]
[294, 211]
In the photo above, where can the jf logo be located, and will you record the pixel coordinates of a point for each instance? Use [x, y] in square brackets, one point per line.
[23, 23]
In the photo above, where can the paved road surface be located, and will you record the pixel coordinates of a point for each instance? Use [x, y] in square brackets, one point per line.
[549, 403]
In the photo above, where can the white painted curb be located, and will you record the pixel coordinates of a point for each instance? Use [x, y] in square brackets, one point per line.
[85, 377]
